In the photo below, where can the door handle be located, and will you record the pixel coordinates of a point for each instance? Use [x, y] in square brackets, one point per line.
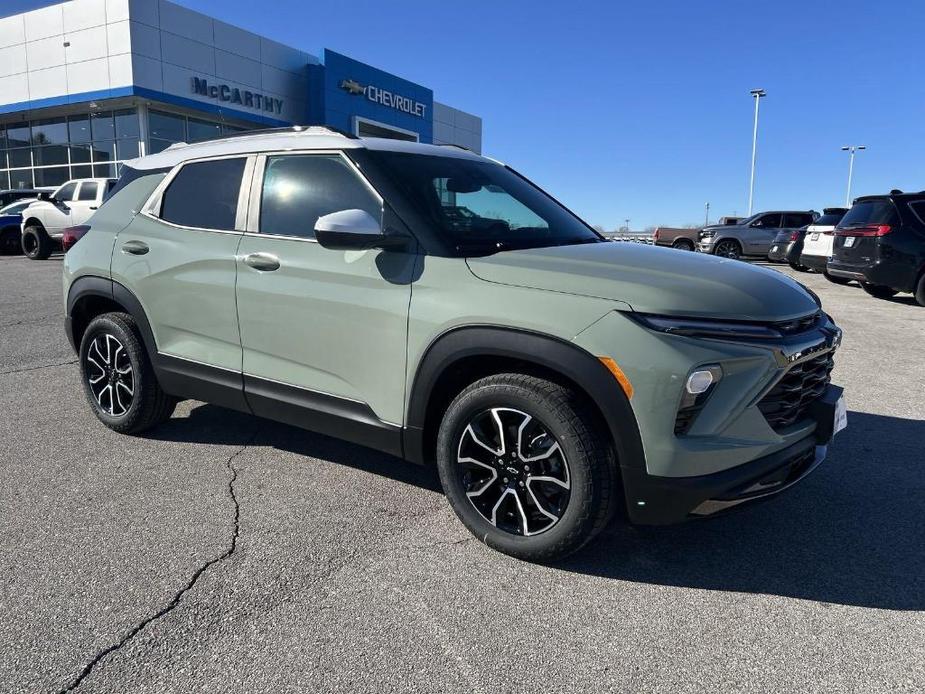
[264, 262]
[135, 247]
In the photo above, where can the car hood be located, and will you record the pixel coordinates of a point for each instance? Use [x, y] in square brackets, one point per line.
[653, 280]
[721, 227]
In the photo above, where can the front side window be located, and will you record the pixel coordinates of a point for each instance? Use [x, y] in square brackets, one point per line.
[480, 206]
[88, 190]
[768, 221]
[66, 192]
[298, 189]
[204, 194]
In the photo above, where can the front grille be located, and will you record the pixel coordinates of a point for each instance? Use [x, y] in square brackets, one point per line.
[787, 402]
[798, 325]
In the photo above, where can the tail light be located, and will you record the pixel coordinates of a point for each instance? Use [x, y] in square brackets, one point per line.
[655, 235]
[72, 235]
[871, 230]
[794, 235]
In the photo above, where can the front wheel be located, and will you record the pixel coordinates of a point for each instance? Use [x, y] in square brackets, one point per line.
[683, 245]
[798, 267]
[118, 378]
[728, 249]
[525, 467]
[878, 290]
[35, 243]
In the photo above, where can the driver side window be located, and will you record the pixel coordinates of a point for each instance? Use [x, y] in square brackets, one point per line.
[66, 192]
[768, 221]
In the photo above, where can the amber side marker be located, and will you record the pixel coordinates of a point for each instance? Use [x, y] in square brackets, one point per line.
[618, 374]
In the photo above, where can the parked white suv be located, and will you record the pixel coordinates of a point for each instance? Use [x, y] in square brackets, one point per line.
[44, 221]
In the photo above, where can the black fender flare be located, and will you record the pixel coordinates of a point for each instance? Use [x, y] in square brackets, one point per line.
[92, 285]
[555, 354]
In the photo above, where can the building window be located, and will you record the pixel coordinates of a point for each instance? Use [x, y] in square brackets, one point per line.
[166, 129]
[49, 151]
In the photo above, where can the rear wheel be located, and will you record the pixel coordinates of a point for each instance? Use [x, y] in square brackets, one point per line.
[728, 248]
[35, 243]
[525, 468]
[920, 291]
[683, 244]
[798, 267]
[836, 280]
[118, 378]
[878, 290]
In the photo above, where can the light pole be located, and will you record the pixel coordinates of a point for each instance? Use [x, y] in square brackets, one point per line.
[626, 228]
[706, 216]
[851, 149]
[757, 94]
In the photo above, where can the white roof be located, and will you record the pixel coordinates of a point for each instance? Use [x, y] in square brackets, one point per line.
[297, 138]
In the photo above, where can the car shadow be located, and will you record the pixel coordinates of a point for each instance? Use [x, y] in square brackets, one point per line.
[852, 533]
[216, 425]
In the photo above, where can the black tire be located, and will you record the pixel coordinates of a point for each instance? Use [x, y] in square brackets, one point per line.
[148, 404]
[728, 248]
[10, 241]
[683, 244]
[583, 451]
[798, 267]
[920, 291]
[878, 290]
[35, 243]
[836, 280]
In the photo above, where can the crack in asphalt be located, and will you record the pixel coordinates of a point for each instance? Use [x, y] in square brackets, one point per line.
[37, 368]
[230, 549]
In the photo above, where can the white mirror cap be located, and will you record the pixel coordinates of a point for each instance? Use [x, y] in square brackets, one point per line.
[349, 222]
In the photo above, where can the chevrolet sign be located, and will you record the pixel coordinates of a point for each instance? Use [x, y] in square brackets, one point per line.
[234, 95]
[385, 97]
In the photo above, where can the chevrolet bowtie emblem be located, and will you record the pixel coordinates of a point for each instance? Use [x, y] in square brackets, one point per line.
[352, 86]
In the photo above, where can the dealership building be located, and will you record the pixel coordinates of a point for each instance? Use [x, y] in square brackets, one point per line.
[88, 84]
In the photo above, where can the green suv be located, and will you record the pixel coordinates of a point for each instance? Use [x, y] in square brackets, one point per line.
[438, 306]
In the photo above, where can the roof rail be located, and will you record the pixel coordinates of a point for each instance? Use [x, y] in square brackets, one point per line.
[285, 129]
[452, 144]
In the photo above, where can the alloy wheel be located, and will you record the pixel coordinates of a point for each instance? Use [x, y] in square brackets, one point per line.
[110, 375]
[728, 249]
[513, 471]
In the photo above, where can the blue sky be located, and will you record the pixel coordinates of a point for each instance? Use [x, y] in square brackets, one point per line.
[641, 110]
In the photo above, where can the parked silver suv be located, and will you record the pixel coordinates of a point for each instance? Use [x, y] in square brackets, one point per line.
[752, 236]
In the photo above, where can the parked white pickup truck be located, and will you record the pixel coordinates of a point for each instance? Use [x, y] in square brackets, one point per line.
[44, 221]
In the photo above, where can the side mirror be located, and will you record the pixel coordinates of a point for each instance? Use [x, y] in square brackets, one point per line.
[47, 197]
[353, 230]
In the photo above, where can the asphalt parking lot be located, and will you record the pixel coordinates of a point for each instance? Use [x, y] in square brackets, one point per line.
[227, 553]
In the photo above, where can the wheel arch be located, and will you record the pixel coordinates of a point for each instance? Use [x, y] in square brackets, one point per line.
[463, 355]
[91, 296]
[33, 222]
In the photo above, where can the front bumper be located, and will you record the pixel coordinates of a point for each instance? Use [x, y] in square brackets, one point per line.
[653, 500]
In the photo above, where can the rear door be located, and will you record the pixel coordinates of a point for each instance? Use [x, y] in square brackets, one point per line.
[761, 233]
[178, 258]
[85, 202]
[324, 332]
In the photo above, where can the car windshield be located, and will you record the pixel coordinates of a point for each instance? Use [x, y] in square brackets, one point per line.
[482, 206]
[869, 212]
[16, 207]
[827, 220]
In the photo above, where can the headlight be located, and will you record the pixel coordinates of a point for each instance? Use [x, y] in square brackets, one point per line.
[699, 327]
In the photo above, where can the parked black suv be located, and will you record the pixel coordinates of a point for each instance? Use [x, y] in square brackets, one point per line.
[881, 243]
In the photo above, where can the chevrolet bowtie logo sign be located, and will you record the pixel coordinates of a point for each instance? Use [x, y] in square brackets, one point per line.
[384, 97]
[352, 86]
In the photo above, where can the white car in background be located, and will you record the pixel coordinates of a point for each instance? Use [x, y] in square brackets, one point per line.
[72, 204]
[817, 243]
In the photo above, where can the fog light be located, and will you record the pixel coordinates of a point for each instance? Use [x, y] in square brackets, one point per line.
[699, 382]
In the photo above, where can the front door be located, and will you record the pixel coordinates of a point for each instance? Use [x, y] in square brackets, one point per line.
[761, 234]
[57, 212]
[324, 332]
[178, 259]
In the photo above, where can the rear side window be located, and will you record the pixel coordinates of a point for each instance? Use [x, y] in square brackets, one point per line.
[797, 220]
[869, 212]
[919, 209]
[204, 194]
[88, 190]
[298, 189]
[767, 221]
